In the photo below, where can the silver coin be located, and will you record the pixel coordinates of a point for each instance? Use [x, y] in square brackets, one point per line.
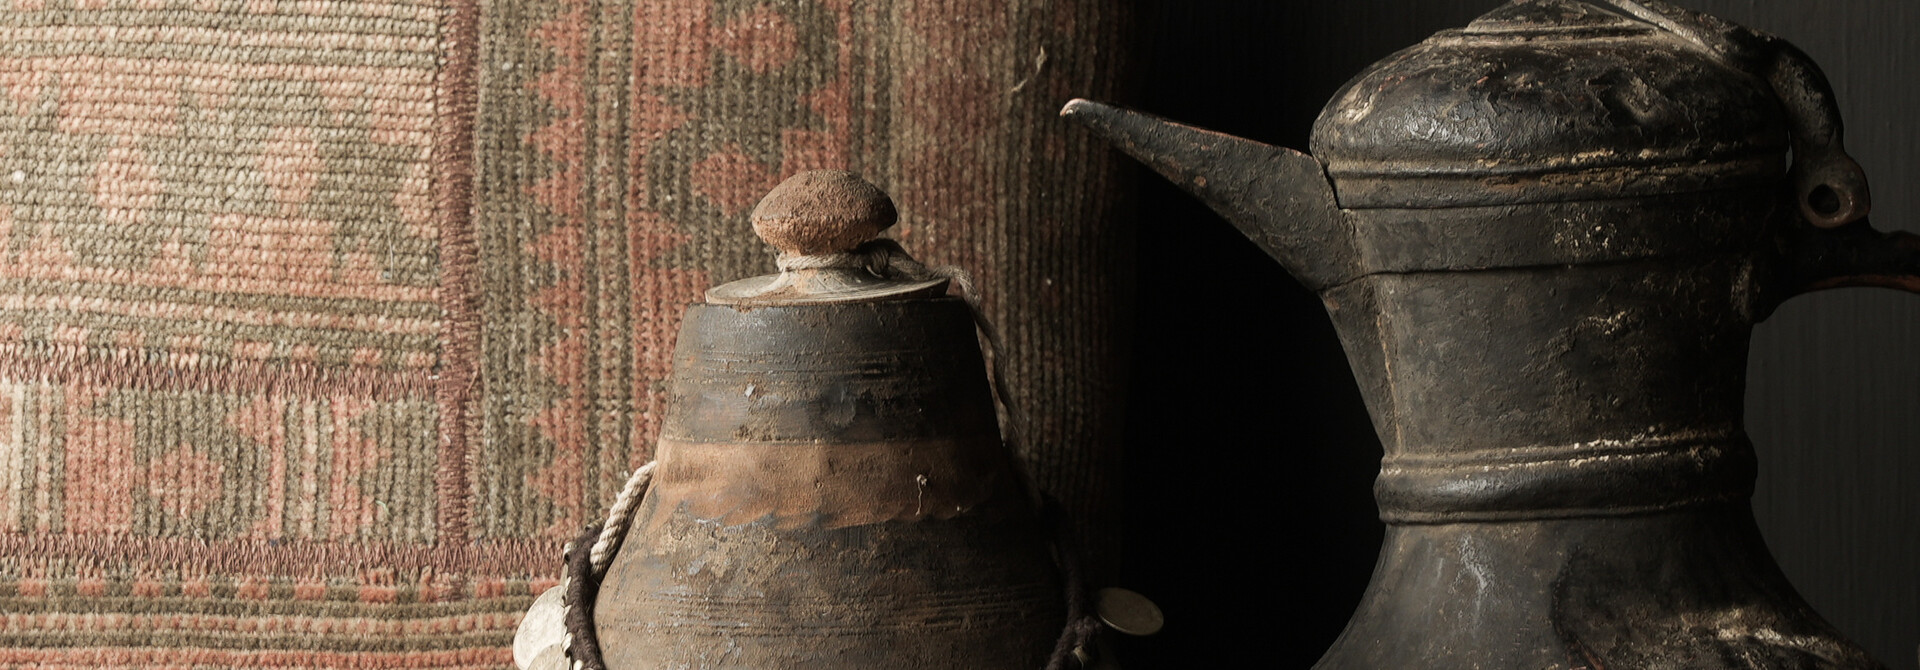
[1128, 612]
[544, 626]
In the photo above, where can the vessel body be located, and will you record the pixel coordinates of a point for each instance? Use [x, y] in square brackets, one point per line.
[1540, 383]
[1544, 240]
[1565, 474]
[832, 493]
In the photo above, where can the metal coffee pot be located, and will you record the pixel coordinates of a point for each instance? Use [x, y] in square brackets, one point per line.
[1544, 240]
[831, 491]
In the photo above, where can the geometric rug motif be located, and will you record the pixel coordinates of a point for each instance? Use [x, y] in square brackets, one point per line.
[235, 339]
[324, 322]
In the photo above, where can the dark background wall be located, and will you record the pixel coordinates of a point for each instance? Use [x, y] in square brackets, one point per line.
[1251, 458]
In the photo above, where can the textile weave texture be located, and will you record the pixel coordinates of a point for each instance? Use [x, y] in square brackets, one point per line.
[323, 323]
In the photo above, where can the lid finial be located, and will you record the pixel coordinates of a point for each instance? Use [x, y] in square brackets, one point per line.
[822, 212]
[827, 225]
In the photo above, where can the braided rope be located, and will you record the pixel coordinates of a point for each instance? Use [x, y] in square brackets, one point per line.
[585, 568]
[582, 643]
[848, 261]
[1082, 624]
[614, 531]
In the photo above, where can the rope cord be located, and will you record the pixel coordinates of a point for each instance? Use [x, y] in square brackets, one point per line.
[582, 643]
[618, 518]
[1082, 624]
[585, 568]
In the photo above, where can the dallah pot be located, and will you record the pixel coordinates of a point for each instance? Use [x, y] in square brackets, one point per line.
[1544, 240]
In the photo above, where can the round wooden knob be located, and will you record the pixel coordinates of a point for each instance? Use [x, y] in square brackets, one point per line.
[822, 212]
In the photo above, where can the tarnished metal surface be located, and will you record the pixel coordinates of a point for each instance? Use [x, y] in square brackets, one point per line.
[1692, 590]
[831, 490]
[552, 658]
[1525, 105]
[831, 485]
[839, 500]
[1129, 612]
[1545, 240]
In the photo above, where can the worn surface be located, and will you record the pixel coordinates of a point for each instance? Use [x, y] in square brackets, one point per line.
[625, 142]
[1830, 403]
[822, 212]
[1546, 101]
[324, 323]
[1691, 590]
[1561, 353]
[1832, 400]
[832, 494]
[235, 339]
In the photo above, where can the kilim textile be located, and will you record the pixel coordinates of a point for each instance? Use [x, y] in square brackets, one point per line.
[323, 323]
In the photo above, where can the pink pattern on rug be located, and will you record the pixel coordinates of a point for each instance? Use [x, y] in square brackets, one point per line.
[350, 511]
[101, 476]
[563, 362]
[184, 481]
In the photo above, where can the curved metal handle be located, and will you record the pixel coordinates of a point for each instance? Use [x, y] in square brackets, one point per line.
[1855, 254]
[1839, 248]
[1829, 186]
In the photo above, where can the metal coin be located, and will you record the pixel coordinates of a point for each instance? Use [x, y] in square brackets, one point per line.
[550, 659]
[1128, 612]
[544, 626]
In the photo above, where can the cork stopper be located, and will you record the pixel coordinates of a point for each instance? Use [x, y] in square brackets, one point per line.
[827, 225]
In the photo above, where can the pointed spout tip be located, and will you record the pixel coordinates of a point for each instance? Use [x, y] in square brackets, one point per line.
[1102, 118]
[1078, 106]
[1278, 197]
[1144, 136]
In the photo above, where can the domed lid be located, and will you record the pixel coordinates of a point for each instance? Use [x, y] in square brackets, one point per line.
[826, 224]
[1550, 100]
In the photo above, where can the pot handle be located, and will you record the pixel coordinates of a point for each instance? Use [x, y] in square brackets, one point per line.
[1815, 259]
[1831, 244]
[1829, 186]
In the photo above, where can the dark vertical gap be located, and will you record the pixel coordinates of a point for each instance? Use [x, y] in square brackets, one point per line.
[1250, 515]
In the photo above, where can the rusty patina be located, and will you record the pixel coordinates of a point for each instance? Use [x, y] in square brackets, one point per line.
[832, 490]
[1545, 239]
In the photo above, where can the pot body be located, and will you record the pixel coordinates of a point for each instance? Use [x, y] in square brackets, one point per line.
[1544, 383]
[1565, 475]
[1544, 240]
[832, 493]
[1692, 588]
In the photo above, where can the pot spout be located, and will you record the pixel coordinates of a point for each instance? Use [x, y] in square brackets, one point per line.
[1278, 197]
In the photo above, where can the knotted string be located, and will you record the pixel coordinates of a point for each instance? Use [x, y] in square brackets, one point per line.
[1082, 623]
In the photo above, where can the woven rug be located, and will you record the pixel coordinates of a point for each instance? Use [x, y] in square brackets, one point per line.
[324, 322]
